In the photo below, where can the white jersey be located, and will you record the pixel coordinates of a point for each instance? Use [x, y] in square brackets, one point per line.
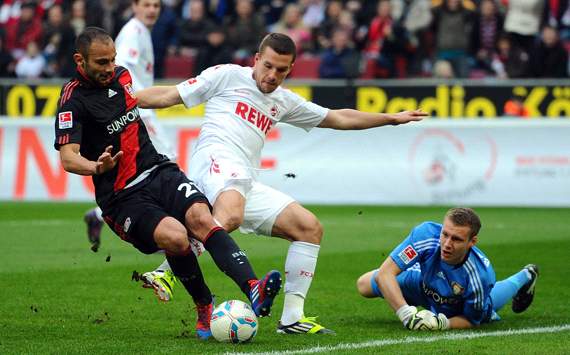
[135, 52]
[238, 115]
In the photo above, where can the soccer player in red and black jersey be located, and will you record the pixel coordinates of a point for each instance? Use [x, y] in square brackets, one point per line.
[146, 199]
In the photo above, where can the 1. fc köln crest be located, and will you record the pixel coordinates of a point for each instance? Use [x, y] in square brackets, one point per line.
[274, 111]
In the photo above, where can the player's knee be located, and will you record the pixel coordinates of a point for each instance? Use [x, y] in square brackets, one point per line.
[232, 222]
[180, 247]
[199, 221]
[363, 285]
[311, 231]
[176, 242]
[171, 236]
[366, 285]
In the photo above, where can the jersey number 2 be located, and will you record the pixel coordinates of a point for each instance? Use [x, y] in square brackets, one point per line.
[188, 189]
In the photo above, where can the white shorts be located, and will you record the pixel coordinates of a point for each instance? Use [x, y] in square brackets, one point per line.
[215, 171]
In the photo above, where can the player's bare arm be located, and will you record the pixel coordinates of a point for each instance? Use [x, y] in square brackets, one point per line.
[158, 97]
[459, 322]
[392, 293]
[388, 285]
[74, 163]
[349, 119]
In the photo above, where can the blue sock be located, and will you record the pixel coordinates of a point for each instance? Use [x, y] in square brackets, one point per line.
[505, 290]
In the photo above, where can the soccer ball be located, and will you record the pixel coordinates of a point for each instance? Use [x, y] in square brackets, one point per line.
[233, 322]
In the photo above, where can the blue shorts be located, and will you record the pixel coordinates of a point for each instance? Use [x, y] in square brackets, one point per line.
[410, 284]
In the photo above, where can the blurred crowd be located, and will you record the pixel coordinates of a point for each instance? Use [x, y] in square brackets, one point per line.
[386, 38]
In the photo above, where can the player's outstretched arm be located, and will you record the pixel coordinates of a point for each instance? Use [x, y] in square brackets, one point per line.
[74, 163]
[388, 285]
[158, 97]
[348, 119]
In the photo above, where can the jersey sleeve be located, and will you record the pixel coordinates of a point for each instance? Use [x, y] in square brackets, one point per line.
[196, 90]
[304, 114]
[419, 245]
[68, 124]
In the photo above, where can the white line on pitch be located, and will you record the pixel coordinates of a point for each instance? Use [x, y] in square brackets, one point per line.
[408, 340]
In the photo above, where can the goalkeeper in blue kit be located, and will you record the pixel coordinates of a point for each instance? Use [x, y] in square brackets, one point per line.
[438, 267]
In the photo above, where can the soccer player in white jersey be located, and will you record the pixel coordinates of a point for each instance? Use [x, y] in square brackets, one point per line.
[135, 52]
[242, 104]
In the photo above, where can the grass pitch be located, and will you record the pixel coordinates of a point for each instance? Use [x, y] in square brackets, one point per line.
[59, 297]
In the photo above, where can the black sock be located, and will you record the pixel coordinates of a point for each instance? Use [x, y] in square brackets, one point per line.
[187, 269]
[230, 259]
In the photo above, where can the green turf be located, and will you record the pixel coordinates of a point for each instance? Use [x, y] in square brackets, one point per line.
[58, 297]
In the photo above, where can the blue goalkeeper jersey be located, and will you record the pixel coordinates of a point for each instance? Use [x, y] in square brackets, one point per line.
[453, 290]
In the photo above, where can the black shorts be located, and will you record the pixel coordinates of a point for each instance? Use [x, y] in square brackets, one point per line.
[134, 215]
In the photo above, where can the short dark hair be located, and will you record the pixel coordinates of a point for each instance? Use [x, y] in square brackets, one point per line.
[29, 4]
[280, 43]
[464, 216]
[88, 36]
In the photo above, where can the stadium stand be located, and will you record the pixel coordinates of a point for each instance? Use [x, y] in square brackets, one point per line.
[395, 38]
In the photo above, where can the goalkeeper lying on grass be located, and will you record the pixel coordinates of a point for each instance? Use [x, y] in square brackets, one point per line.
[439, 268]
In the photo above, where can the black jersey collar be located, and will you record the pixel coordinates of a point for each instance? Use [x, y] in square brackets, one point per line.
[82, 76]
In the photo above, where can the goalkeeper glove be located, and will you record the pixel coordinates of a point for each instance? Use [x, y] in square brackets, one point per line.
[406, 313]
[423, 320]
[442, 322]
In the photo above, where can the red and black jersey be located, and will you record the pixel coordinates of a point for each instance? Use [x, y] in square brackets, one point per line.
[95, 117]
